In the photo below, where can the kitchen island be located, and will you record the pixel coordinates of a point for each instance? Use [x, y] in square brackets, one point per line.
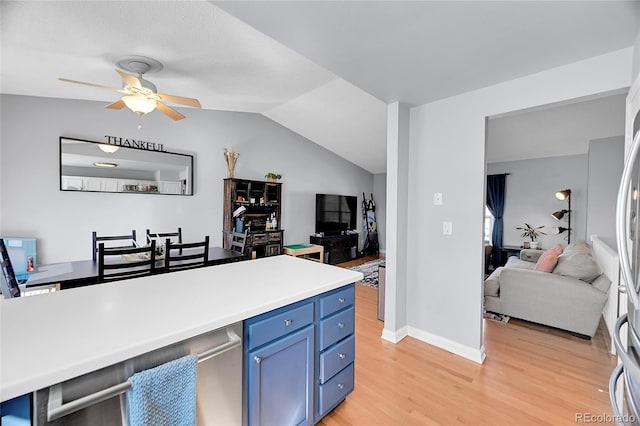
[47, 339]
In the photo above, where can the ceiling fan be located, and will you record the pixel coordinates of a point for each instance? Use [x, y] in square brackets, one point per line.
[140, 95]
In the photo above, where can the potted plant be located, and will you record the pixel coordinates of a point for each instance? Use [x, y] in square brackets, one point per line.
[531, 232]
[272, 177]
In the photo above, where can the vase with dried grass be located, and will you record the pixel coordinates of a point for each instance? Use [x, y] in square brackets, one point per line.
[231, 157]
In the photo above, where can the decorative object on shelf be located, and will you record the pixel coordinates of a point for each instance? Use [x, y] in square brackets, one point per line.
[531, 232]
[273, 177]
[231, 156]
[563, 195]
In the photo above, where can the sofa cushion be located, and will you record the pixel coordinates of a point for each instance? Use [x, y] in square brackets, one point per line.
[548, 259]
[491, 287]
[577, 265]
[580, 246]
[602, 283]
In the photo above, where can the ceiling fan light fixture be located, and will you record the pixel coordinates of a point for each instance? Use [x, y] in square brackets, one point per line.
[105, 164]
[109, 149]
[139, 104]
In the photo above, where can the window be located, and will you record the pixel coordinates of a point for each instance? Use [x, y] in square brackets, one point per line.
[488, 225]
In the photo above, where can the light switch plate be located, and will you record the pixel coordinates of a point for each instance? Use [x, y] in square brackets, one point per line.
[437, 199]
[447, 228]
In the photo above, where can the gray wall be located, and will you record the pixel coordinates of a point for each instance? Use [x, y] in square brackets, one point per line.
[33, 205]
[606, 158]
[380, 197]
[447, 155]
[530, 196]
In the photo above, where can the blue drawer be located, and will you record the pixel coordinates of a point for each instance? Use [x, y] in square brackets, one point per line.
[336, 327]
[335, 390]
[335, 301]
[264, 331]
[336, 358]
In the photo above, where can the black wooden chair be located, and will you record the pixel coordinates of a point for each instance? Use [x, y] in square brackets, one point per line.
[9, 283]
[238, 242]
[185, 255]
[175, 237]
[129, 239]
[119, 263]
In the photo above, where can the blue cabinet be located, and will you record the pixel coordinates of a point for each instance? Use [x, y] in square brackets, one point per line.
[280, 376]
[16, 411]
[299, 359]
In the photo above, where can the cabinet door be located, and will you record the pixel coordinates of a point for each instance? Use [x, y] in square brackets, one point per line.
[72, 183]
[167, 187]
[281, 381]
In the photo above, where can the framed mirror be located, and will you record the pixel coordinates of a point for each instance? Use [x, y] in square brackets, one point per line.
[104, 167]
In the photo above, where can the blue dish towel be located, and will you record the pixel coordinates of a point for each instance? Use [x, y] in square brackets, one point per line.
[164, 395]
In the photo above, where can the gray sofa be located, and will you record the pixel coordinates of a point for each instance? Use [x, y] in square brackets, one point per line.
[571, 297]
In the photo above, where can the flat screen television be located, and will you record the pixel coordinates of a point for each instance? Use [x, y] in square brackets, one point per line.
[335, 213]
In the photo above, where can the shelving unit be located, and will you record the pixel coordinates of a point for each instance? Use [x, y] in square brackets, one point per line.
[262, 201]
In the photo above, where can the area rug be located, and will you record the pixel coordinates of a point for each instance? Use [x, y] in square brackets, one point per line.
[497, 317]
[370, 272]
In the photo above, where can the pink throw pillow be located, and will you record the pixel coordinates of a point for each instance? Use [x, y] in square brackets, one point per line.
[548, 259]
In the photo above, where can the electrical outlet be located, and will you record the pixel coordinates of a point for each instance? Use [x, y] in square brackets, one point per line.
[437, 199]
[447, 228]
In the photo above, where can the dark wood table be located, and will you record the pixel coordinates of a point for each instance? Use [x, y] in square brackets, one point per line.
[85, 272]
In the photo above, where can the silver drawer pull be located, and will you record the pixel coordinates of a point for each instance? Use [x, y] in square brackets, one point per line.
[288, 322]
[340, 325]
[257, 359]
[341, 299]
[342, 356]
[340, 386]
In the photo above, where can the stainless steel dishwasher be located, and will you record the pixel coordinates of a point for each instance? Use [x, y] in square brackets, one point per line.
[99, 398]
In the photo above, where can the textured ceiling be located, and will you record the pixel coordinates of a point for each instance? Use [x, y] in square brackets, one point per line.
[538, 133]
[420, 51]
[323, 69]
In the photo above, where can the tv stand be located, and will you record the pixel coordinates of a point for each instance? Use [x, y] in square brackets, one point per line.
[337, 248]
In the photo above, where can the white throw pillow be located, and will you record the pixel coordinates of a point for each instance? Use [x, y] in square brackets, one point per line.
[578, 265]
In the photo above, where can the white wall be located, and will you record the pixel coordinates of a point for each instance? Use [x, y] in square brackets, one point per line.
[380, 197]
[606, 158]
[530, 196]
[447, 143]
[33, 205]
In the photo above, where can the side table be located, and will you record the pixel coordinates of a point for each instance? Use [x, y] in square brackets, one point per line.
[305, 250]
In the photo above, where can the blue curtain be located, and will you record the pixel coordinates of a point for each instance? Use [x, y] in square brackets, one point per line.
[495, 203]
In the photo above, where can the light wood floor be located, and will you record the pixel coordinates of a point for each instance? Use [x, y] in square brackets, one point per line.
[533, 375]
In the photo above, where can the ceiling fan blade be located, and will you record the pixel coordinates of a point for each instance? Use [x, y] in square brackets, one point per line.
[169, 111]
[131, 80]
[180, 100]
[119, 104]
[92, 84]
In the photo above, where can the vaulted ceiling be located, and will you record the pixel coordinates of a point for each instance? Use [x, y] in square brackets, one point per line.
[326, 70]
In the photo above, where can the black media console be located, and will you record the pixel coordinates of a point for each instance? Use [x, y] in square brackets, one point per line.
[337, 248]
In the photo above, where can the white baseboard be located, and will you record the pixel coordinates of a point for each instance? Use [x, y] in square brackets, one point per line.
[475, 355]
[394, 336]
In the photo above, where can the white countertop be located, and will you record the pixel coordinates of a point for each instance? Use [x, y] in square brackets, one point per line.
[49, 338]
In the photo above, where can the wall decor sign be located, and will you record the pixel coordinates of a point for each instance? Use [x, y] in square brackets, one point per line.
[123, 166]
[134, 143]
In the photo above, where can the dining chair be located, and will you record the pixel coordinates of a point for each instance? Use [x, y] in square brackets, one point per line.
[175, 237]
[118, 263]
[185, 255]
[130, 240]
[9, 284]
[238, 241]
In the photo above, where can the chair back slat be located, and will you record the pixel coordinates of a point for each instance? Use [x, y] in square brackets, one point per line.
[176, 259]
[238, 241]
[117, 263]
[129, 239]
